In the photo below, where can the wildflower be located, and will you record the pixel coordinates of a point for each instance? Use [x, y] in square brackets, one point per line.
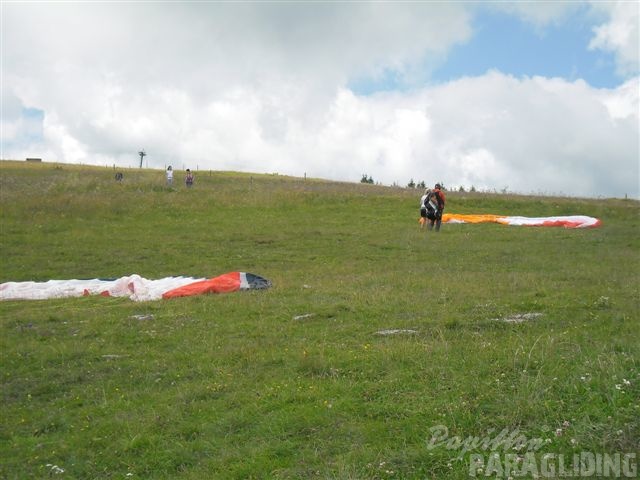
[558, 432]
[626, 382]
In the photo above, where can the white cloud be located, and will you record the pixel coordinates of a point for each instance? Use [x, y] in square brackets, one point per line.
[125, 75]
[537, 134]
[539, 14]
[261, 87]
[620, 35]
[622, 102]
[495, 131]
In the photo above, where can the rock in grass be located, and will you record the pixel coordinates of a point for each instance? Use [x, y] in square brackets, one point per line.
[520, 317]
[397, 331]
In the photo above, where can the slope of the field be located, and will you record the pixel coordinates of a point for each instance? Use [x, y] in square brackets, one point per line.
[297, 381]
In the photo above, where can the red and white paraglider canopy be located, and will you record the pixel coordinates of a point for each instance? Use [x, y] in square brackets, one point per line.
[570, 221]
[134, 286]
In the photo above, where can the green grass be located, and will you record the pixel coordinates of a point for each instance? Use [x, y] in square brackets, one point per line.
[233, 386]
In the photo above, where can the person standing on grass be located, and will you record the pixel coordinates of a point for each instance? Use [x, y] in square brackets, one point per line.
[438, 196]
[425, 210]
[169, 175]
[188, 179]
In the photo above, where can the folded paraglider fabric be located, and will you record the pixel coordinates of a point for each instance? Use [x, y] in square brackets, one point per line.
[229, 282]
[570, 221]
[134, 286]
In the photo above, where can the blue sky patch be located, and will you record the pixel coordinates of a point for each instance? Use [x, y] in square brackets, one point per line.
[30, 132]
[34, 118]
[505, 43]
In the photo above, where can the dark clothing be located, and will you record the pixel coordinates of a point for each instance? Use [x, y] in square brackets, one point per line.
[430, 209]
[438, 196]
[432, 205]
[440, 200]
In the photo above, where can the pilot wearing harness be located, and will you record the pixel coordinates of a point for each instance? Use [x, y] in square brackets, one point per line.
[431, 207]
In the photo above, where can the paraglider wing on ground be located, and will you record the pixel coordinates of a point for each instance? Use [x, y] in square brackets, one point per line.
[570, 221]
[134, 286]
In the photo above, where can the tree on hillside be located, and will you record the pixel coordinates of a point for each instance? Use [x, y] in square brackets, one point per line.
[411, 184]
[366, 179]
[422, 184]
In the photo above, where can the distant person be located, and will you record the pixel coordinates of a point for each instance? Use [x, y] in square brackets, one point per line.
[439, 198]
[426, 209]
[188, 179]
[119, 177]
[169, 175]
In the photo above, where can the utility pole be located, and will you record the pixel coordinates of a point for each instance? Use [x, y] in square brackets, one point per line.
[142, 154]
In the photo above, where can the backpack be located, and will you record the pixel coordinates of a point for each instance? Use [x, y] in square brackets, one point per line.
[431, 203]
[431, 206]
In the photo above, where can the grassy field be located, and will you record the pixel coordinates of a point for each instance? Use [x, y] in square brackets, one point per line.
[296, 381]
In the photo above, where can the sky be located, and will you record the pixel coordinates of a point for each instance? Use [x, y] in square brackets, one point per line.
[526, 97]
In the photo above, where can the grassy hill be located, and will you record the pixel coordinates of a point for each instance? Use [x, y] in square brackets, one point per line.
[297, 381]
